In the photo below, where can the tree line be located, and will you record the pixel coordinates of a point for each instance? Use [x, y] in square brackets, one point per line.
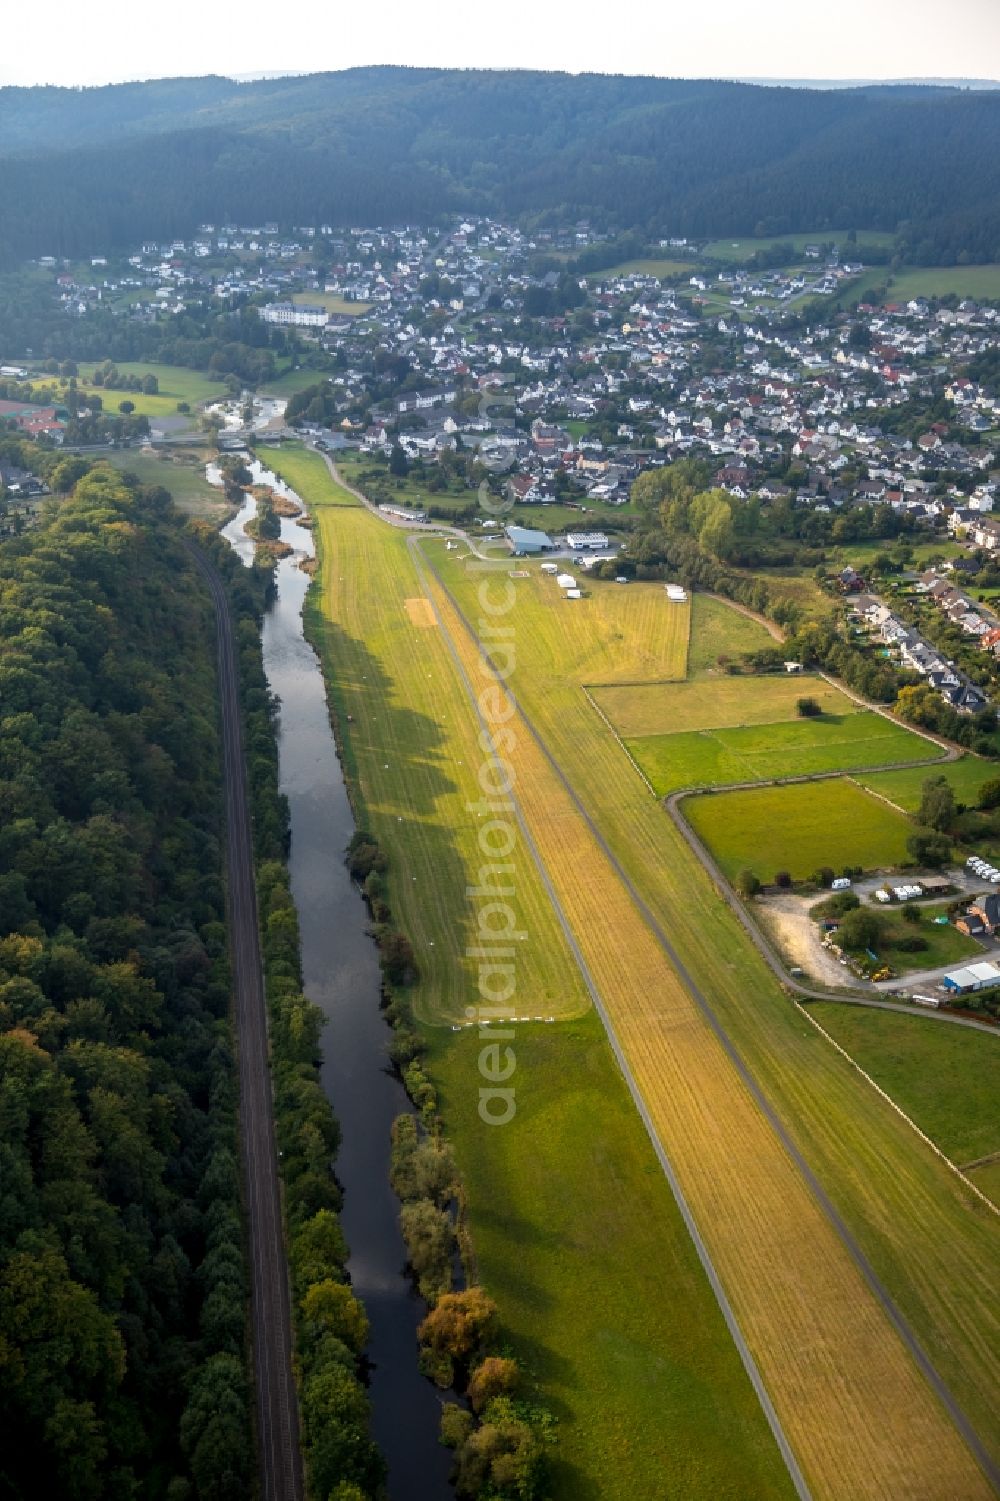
[391, 145]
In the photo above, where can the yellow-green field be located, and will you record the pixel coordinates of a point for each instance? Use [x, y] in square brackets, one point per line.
[723, 702]
[784, 748]
[827, 1352]
[946, 1078]
[721, 634]
[799, 829]
[905, 787]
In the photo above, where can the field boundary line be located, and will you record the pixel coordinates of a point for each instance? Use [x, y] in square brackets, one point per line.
[804, 1011]
[701, 1250]
[894, 1315]
[597, 708]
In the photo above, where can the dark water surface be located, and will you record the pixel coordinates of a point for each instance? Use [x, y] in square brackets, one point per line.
[341, 972]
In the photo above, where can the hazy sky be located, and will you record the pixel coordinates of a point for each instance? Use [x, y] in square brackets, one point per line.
[69, 42]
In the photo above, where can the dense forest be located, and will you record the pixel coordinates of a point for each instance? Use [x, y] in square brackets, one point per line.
[94, 169]
[122, 1280]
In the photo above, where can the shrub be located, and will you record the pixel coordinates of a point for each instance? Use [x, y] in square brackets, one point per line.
[456, 1425]
[747, 884]
[911, 943]
[989, 794]
[783, 879]
[808, 708]
[860, 929]
[459, 1323]
[430, 1240]
[496, 1376]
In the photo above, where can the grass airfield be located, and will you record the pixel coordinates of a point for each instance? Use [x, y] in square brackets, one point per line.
[825, 1348]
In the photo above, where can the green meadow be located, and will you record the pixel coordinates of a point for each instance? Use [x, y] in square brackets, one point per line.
[905, 787]
[799, 828]
[790, 748]
[946, 1078]
[743, 249]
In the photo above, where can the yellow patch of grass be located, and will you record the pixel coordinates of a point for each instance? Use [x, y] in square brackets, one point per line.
[420, 612]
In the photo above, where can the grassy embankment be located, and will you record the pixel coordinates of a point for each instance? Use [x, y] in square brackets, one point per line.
[575, 1231]
[306, 472]
[912, 1218]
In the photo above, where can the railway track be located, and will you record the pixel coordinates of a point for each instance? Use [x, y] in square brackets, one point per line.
[276, 1407]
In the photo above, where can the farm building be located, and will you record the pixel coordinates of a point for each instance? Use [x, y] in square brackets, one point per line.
[524, 539]
[980, 976]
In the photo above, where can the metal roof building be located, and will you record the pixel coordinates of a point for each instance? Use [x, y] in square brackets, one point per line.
[523, 539]
[979, 976]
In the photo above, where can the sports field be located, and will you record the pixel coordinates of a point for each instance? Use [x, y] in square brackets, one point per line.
[827, 1353]
[665, 270]
[799, 829]
[306, 472]
[335, 305]
[792, 748]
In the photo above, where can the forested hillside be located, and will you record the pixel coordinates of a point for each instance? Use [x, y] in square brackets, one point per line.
[122, 1284]
[93, 170]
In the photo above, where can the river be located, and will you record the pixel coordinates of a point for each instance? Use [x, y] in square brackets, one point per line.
[341, 974]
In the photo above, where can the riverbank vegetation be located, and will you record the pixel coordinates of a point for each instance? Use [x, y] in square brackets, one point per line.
[330, 1324]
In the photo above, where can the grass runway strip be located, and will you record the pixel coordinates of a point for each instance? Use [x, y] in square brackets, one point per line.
[896, 1196]
[574, 1226]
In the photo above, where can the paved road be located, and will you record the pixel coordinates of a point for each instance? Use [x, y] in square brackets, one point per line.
[889, 1306]
[277, 1420]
